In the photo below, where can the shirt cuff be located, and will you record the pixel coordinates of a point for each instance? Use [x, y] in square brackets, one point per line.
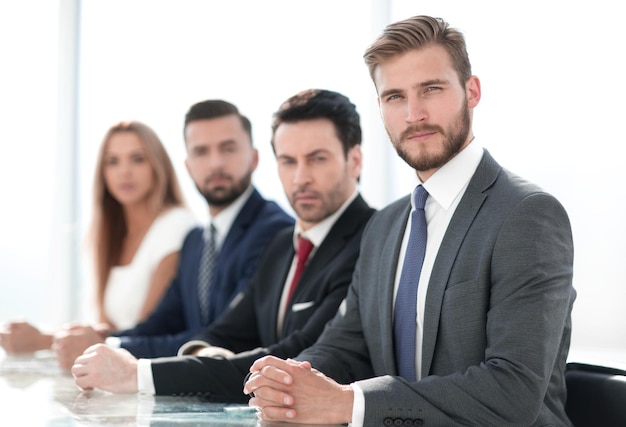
[358, 406]
[145, 382]
[190, 346]
[113, 342]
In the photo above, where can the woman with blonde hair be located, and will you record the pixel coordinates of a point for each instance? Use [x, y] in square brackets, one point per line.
[139, 224]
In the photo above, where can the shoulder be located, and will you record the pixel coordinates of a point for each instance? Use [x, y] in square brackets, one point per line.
[353, 220]
[261, 211]
[498, 196]
[177, 215]
[193, 238]
[392, 212]
[511, 190]
[174, 223]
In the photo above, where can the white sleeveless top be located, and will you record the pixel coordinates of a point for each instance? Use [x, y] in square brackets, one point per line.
[127, 287]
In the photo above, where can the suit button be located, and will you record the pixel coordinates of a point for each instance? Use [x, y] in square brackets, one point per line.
[418, 422]
[388, 422]
[398, 422]
[408, 422]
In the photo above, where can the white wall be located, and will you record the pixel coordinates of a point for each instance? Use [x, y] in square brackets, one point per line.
[553, 90]
[28, 132]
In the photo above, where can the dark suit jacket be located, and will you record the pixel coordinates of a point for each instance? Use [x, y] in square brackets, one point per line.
[497, 319]
[250, 325]
[177, 318]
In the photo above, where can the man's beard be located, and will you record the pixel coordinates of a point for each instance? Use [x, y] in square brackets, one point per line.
[224, 196]
[454, 139]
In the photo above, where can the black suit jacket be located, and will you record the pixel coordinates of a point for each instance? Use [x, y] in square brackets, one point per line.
[249, 326]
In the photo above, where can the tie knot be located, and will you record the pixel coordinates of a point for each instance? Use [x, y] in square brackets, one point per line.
[304, 248]
[420, 197]
[210, 232]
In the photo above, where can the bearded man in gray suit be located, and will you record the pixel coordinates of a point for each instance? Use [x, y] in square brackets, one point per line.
[494, 294]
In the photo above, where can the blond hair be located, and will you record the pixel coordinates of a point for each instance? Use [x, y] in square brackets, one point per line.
[416, 33]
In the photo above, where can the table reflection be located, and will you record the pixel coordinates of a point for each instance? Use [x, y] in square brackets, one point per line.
[34, 392]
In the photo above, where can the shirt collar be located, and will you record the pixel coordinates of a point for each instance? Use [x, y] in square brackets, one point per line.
[445, 185]
[225, 219]
[318, 232]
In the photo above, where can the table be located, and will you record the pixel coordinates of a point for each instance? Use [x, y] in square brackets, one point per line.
[35, 392]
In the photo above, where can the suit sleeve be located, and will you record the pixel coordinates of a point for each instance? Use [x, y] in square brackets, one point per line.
[341, 351]
[529, 301]
[236, 328]
[219, 378]
[215, 378]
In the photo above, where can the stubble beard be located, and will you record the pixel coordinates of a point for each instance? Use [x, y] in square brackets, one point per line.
[454, 139]
[329, 203]
[223, 196]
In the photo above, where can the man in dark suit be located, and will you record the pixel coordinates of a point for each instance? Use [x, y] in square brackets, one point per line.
[316, 139]
[484, 336]
[220, 160]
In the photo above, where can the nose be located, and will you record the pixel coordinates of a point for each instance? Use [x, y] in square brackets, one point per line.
[415, 110]
[215, 161]
[125, 167]
[302, 175]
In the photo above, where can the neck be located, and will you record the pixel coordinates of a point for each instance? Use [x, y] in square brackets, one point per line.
[138, 217]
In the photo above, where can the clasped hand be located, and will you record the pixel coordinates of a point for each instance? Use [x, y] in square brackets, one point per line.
[288, 390]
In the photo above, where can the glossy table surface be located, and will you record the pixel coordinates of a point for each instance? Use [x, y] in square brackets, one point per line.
[35, 392]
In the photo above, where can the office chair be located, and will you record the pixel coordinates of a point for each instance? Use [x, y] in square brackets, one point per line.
[596, 395]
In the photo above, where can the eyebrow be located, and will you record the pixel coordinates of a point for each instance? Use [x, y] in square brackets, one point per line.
[132, 152]
[227, 142]
[426, 83]
[318, 151]
[311, 154]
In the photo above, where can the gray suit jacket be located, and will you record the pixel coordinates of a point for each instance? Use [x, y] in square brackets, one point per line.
[497, 319]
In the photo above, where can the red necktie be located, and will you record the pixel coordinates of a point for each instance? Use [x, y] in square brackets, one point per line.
[304, 249]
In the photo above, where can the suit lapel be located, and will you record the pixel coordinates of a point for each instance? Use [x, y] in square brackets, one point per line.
[466, 211]
[240, 225]
[190, 292]
[280, 276]
[387, 275]
[345, 226]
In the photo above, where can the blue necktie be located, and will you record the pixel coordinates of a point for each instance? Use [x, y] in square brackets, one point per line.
[205, 274]
[405, 314]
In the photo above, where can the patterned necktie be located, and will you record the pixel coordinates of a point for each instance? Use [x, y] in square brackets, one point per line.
[304, 250]
[405, 314]
[207, 264]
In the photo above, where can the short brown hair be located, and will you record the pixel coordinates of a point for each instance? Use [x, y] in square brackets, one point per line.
[214, 109]
[314, 104]
[416, 33]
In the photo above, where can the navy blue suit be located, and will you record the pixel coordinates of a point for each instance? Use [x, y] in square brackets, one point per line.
[177, 317]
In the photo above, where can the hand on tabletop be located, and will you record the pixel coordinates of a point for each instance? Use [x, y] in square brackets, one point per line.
[287, 390]
[70, 343]
[22, 337]
[113, 370]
